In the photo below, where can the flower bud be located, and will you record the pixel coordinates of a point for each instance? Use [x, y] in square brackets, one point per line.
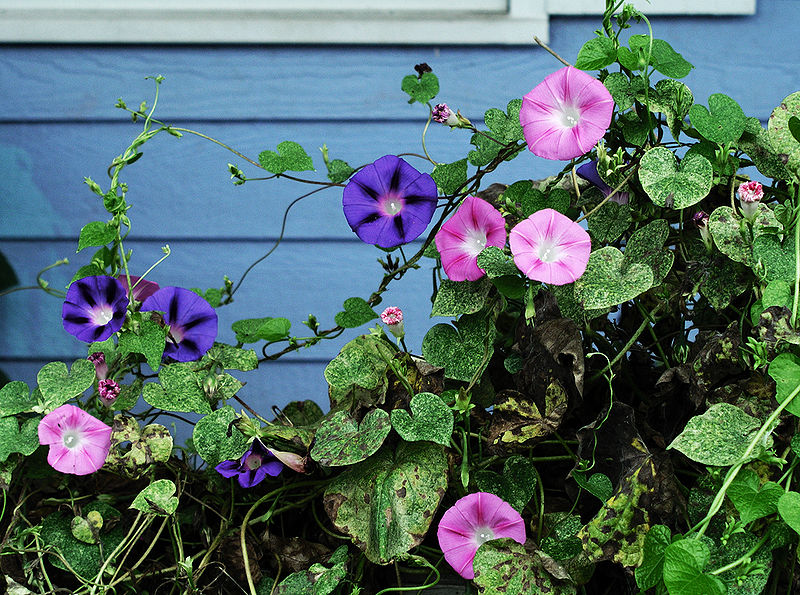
[98, 358]
[750, 195]
[109, 390]
[392, 317]
[700, 219]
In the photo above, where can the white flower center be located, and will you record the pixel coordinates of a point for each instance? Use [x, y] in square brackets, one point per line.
[549, 252]
[394, 206]
[570, 116]
[483, 534]
[102, 315]
[253, 462]
[71, 439]
[475, 241]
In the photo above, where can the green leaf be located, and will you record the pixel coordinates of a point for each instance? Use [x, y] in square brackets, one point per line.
[780, 136]
[14, 437]
[673, 99]
[723, 121]
[486, 149]
[645, 246]
[505, 127]
[773, 260]
[450, 177]
[740, 546]
[596, 53]
[252, 330]
[290, 157]
[785, 371]
[341, 441]
[777, 293]
[495, 263]
[16, 397]
[157, 498]
[422, 89]
[149, 340]
[96, 233]
[650, 573]
[623, 90]
[731, 234]
[789, 509]
[339, 171]
[672, 186]
[460, 297]
[318, 579]
[229, 357]
[432, 420]
[609, 222]
[463, 351]
[634, 129]
[216, 440]
[503, 566]
[357, 312]
[387, 503]
[303, 413]
[128, 395]
[362, 362]
[516, 484]
[598, 484]
[180, 390]
[718, 437]
[684, 562]
[58, 385]
[608, 280]
[757, 143]
[751, 499]
[663, 58]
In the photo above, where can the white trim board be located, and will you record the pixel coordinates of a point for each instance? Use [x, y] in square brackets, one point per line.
[470, 22]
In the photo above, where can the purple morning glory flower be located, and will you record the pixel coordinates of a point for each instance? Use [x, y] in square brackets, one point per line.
[253, 467]
[388, 202]
[94, 308]
[588, 171]
[192, 322]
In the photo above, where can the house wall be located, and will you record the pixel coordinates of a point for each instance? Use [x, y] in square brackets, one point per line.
[59, 124]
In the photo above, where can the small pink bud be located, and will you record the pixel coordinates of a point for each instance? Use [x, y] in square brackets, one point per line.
[98, 358]
[109, 390]
[750, 195]
[440, 113]
[701, 221]
[294, 461]
[392, 317]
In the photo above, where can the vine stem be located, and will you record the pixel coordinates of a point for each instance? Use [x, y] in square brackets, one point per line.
[546, 47]
[745, 458]
[796, 272]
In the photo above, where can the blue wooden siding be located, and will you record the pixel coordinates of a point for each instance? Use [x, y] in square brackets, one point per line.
[59, 125]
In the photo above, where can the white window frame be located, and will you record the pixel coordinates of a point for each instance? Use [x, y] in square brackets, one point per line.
[437, 22]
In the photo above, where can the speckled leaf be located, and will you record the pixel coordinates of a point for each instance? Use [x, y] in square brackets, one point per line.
[319, 579]
[737, 546]
[157, 498]
[149, 340]
[785, 371]
[361, 362]
[503, 566]
[517, 420]
[609, 222]
[781, 138]
[634, 130]
[229, 357]
[530, 199]
[757, 144]
[463, 351]
[357, 312]
[651, 572]
[450, 177]
[673, 99]
[670, 185]
[432, 420]
[290, 157]
[516, 484]
[505, 127]
[252, 330]
[14, 437]
[751, 499]
[723, 121]
[731, 234]
[684, 562]
[562, 543]
[148, 445]
[597, 484]
[604, 283]
[623, 90]
[724, 280]
[15, 397]
[718, 437]
[460, 297]
[387, 503]
[646, 246]
[128, 395]
[341, 441]
[773, 260]
[216, 440]
[303, 413]
[422, 88]
[180, 390]
[58, 385]
[496, 263]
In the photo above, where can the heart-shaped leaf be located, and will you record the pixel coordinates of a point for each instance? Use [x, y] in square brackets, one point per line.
[422, 89]
[450, 177]
[496, 263]
[157, 498]
[96, 233]
[789, 509]
[662, 57]
[606, 283]
[504, 566]
[216, 440]
[460, 297]
[58, 385]
[623, 90]
[516, 485]
[14, 437]
[290, 157]
[149, 340]
[362, 362]
[341, 441]
[505, 127]
[684, 562]
[15, 397]
[463, 351]
[609, 222]
[722, 123]
[357, 312]
[432, 420]
[780, 135]
[751, 499]
[229, 357]
[598, 484]
[673, 99]
[646, 246]
[180, 390]
[650, 573]
[670, 185]
[386, 504]
[773, 260]
[596, 53]
[785, 371]
[731, 234]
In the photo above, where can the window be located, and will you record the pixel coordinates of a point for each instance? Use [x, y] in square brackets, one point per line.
[309, 21]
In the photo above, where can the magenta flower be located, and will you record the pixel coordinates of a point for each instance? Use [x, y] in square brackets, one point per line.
[388, 202]
[474, 226]
[98, 358]
[750, 195]
[588, 171]
[253, 467]
[472, 521]
[109, 390]
[79, 443]
[392, 317]
[550, 247]
[142, 289]
[440, 113]
[566, 114]
[94, 308]
[192, 322]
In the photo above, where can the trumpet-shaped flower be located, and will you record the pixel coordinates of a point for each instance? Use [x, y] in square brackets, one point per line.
[550, 247]
[192, 322]
[472, 521]
[475, 225]
[566, 114]
[253, 467]
[388, 202]
[588, 171]
[94, 308]
[79, 443]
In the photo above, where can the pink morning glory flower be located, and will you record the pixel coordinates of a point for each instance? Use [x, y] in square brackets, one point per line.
[191, 319]
[566, 114]
[550, 247]
[94, 308]
[388, 202]
[471, 522]
[474, 226]
[79, 443]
